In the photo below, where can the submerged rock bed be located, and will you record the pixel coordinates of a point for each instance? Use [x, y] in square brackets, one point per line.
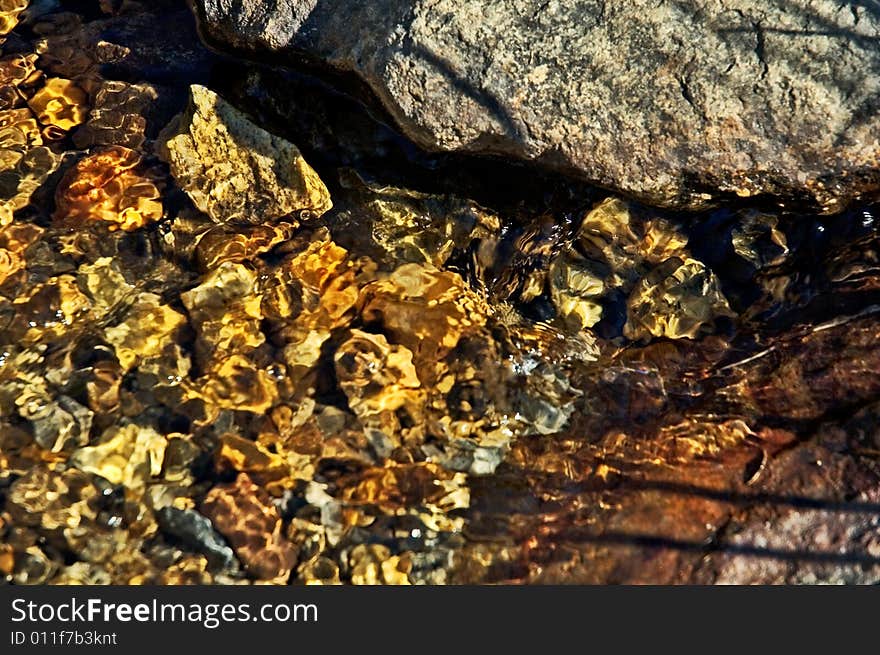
[248, 334]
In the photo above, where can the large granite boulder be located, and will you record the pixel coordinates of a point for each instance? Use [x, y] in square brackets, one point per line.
[681, 103]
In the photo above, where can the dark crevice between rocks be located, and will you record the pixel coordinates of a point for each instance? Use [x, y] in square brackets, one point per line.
[336, 131]
[761, 49]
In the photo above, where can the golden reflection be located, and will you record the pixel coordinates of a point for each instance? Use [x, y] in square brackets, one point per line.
[112, 185]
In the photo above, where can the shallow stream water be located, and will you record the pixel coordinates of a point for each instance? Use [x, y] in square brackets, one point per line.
[466, 371]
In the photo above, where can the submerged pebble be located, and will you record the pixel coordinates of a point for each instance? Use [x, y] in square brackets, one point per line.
[234, 170]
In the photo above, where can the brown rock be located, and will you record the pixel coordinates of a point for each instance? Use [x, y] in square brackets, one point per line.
[243, 513]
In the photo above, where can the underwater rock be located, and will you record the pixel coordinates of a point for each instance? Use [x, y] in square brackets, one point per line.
[675, 300]
[102, 387]
[235, 171]
[25, 163]
[144, 331]
[60, 104]
[381, 384]
[239, 243]
[104, 283]
[82, 573]
[678, 104]
[826, 370]
[48, 309]
[52, 499]
[10, 10]
[313, 293]
[692, 438]
[320, 571]
[129, 455]
[758, 239]
[18, 76]
[188, 570]
[242, 513]
[56, 424]
[225, 309]
[112, 185]
[269, 461]
[425, 309]
[604, 257]
[15, 239]
[71, 50]
[117, 116]
[442, 326]
[396, 487]
[373, 564]
[10, 262]
[419, 228]
[33, 567]
[237, 383]
[196, 531]
[619, 251]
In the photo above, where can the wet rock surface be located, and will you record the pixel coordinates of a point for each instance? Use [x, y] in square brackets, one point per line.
[454, 374]
[235, 171]
[197, 532]
[681, 104]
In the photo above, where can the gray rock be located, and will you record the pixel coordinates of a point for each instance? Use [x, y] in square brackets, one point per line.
[681, 103]
[197, 532]
[56, 424]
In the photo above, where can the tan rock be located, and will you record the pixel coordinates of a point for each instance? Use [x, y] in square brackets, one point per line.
[130, 455]
[235, 171]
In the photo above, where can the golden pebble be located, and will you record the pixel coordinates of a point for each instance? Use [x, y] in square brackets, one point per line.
[234, 170]
[236, 383]
[112, 185]
[60, 103]
[146, 328]
[9, 13]
[373, 564]
[320, 571]
[130, 455]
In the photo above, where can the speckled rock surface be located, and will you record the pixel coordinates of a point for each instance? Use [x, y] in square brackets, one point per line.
[680, 104]
[235, 171]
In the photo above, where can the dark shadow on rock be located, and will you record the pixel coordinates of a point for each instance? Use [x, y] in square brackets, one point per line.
[819, 26]
[747, 550]
[458, 81]
[750, 499]
[383, 20]
[871, 6]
